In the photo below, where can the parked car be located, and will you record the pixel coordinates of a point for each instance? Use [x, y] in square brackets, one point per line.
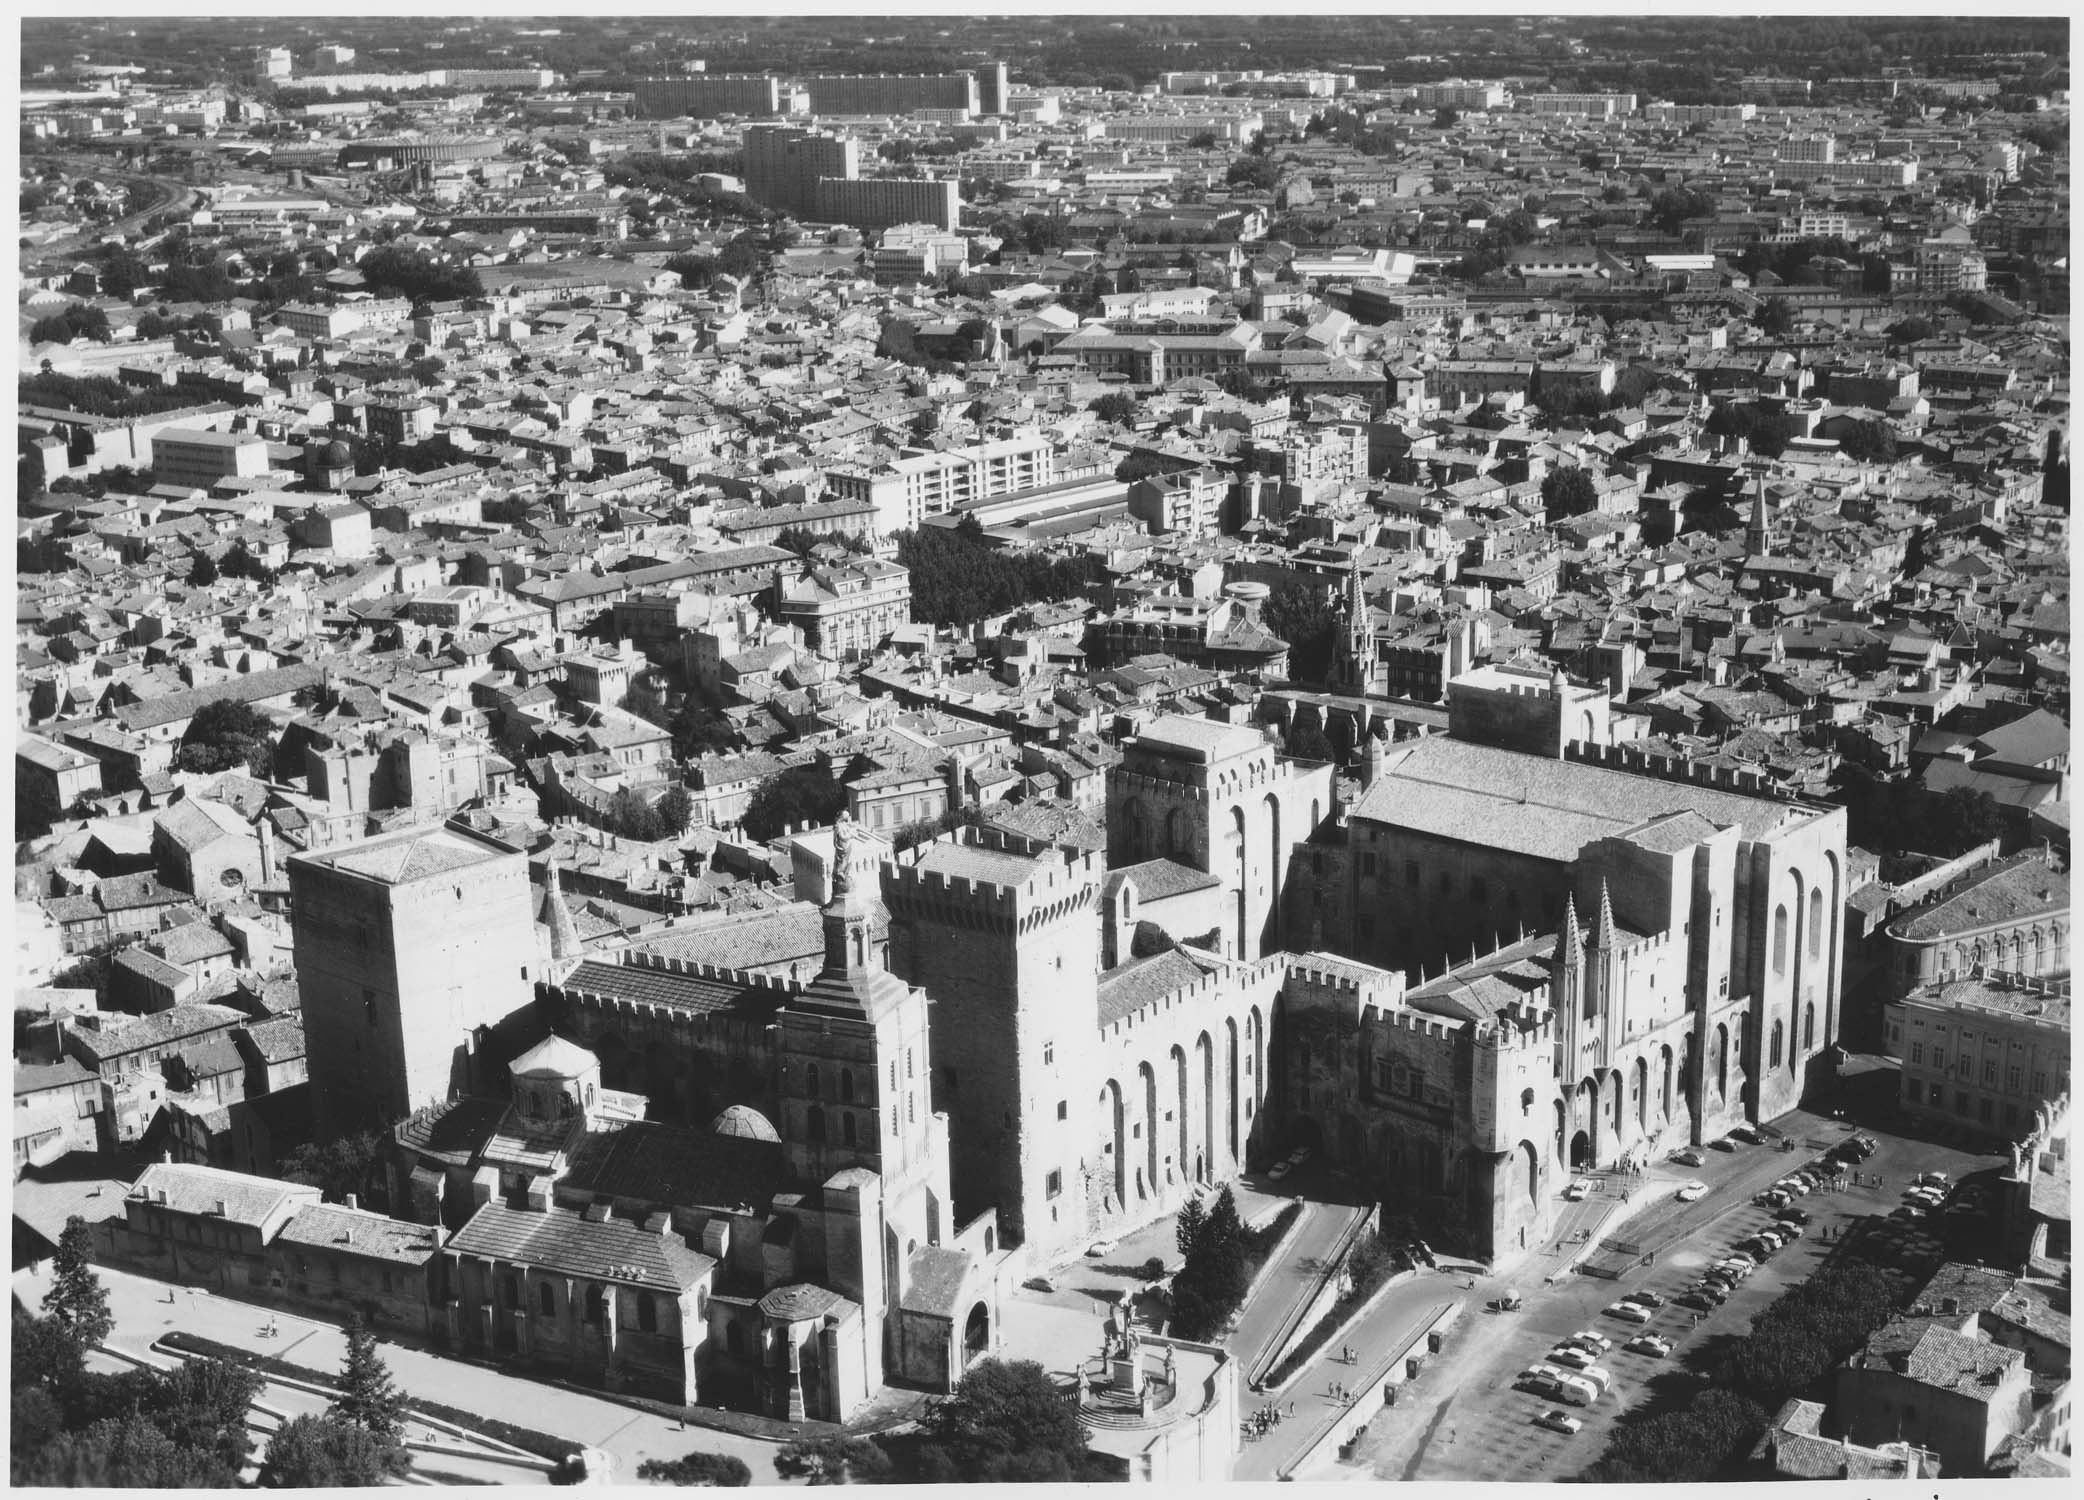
[1774, 1198]
[1723, 1143]
[1793, 1216]
[1745, 1134]
[1629, 1312]
[1646, 1297]
[1278, 1170]
[1591, 1338]
[1650, 1344]
[1572, 1358]
[1932, 1179]
[1099, 1248]
[1558, 1420]
[1792, 1232]
[1794, 1185]
[1578, 1189]
[1688, 1156]
[1039, 1284]
[1700, 1299]
[1692, 1192]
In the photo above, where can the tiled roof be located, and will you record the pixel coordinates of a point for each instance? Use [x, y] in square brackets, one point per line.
[280, 1040]
[457, 1130]
[601, 1250]
[673, 1166]
[1129, 987]
[199, 1190]
[2016, 890]
[419, 855]
[1157, 879]
[1550, 809]
[643, 985]
[935, 1280]
[327, 1226]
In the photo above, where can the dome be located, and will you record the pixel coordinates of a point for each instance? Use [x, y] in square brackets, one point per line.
[553, 1057]
[744, 1122]
[335, 455]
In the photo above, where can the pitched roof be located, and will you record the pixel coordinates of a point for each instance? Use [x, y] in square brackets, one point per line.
[602, 1250]
[661, 1165]
[248, 1200]
[328, 1226]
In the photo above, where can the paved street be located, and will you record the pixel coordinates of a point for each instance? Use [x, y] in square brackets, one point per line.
[628, 1436]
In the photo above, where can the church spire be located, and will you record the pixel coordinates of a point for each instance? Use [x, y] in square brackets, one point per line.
[1758, 534]
[1603, 935]
[565, 946]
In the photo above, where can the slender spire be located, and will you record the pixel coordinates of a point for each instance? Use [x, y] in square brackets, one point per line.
[564, 932]
[1603, 935]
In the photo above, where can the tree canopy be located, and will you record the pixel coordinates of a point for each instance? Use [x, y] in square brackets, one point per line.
[421, 278]
[326, 1452]
[1007, 1420]
[369, 1398]
[1568, 492]
[1304, 617]
[74, 321]
[227, 735]
[790, 798]
[722, 1469]
[76, 1301]
[1217, 1272]
[959, 578]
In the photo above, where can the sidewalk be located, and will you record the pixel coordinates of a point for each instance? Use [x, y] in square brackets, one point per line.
[629, 1436]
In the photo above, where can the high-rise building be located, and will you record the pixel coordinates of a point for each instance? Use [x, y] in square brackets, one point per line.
[879, 202]
[890, 93]
[405, 947]
[709, 94]
[784, 165]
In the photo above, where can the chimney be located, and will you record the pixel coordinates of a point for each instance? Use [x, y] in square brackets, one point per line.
[224, 1209]
[354, 1202]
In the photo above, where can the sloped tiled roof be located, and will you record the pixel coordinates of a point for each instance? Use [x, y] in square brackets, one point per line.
[600, 1250]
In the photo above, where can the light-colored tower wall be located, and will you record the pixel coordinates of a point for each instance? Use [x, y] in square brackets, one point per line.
[397, 971]
[1010, 965]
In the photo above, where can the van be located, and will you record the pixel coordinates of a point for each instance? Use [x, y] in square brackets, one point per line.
[1572, 1391]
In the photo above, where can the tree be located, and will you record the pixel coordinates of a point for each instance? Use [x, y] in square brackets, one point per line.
[835, 1460]
[203, 571]
[239, 562]
[722, 1469]
[77, 1302]
[74, 321]
[1303, 617]
[324, 1452]
[791, 798]
[113, 1453]
[417, 277]
[1308, 741]
[699, 730]
[1193, 1218]
[1446, 119]
[631, 817]
[1568, 492]
[369, 1398]
[1960, 818]
[1216, 1275]
[1115, 406]
[346, 1164]
[675, 811]
[227, 735]
[1870, 441]
[1007, 1420]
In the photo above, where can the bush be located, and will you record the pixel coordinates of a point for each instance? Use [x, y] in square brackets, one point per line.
[326, 1452]
[697, 1468]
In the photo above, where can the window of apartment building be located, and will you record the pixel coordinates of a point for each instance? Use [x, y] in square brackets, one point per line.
[1917, 1052]
[1049, 1054]
[1939, 1059]
[2040, 1083]
[1989, 1070]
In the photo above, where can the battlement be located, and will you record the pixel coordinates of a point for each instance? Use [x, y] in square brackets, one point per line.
[1638, 762]
[1056, 883]
[1137, 781]
[1239, 979]
[752, 979]
[1415, 1022]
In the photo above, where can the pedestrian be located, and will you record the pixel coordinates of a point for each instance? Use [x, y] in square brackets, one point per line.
[1291, 1408]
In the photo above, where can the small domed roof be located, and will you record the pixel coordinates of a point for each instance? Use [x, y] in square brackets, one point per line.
[744, 1122]
[553, 1057]
[335, 455]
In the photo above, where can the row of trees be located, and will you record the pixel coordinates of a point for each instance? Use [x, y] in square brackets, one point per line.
[958, 577]
[76, 320]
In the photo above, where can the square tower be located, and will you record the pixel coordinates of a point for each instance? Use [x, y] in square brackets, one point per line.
[405, 946]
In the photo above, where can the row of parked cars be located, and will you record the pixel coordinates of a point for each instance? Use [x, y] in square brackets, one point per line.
[1572, 1373]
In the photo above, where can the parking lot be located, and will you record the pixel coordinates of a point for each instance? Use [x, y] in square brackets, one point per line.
[1471, 1423]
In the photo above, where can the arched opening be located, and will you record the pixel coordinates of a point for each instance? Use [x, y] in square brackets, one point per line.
[1111, 1124]
[1779, 941]
[1816, 923]
[546, 1299]
[810, 1079]
[1176, 833]
[1526, 1102]
[1243, 877]
[1274, 861]
[596, 1306]
[976, 1334]
[846, 1085]
[1149, 1078]
[1562, 1132]
[1205, 1055]
[1580, 1151]
[1230, 1093]
[1530, 1166]
[1664, 1105]
[1779, 1031]
[1722, 1060]
[846, 1129]
[1182, 1136]
[1306, 1132]
[1642, 1095]
[1809, 1027]
[647, 1313]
